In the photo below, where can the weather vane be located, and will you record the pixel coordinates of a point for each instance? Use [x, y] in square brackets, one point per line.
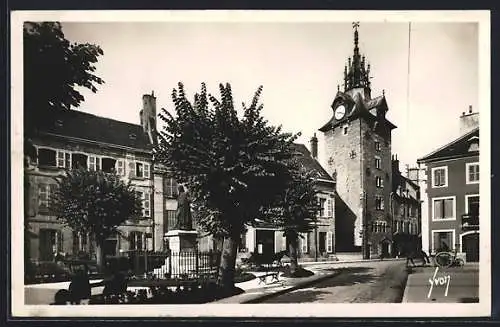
[355, 24]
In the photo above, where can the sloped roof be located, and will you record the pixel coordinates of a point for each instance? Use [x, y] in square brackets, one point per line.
[375, 102]
[456, 148]
[309, 163]
[88, 127]
[360, 109]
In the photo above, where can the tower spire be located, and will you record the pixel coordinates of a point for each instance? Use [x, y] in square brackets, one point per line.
[357, 74]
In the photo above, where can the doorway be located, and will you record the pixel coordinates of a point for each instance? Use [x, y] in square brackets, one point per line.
[264, 240]
[47, 244]
[470, 245]
[322, 243]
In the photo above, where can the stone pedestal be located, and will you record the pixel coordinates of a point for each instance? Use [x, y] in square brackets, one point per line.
[182, 245]
[182, 240]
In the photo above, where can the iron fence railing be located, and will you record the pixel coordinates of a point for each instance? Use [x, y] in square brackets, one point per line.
[175, 265]
[470, 221]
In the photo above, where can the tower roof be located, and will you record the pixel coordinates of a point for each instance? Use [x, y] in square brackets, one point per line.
[356, 72]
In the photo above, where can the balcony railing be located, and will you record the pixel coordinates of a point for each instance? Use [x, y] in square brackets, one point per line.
[470, 222]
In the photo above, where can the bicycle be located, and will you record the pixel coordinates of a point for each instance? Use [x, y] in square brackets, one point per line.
[446, 259]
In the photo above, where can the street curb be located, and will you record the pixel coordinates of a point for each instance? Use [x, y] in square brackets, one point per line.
[405, 293]
[264, 296]
[308, 263]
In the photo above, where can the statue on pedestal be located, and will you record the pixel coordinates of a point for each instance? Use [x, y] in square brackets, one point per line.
[184, 220]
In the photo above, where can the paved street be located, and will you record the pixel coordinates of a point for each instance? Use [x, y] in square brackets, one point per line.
[463, 285]
[363, 282]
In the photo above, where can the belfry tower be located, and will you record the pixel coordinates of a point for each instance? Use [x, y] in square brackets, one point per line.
[358, 150]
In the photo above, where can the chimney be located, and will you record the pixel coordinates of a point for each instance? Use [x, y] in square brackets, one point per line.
[148, 116]
[395, 164]
[468, 121]
[314, 146]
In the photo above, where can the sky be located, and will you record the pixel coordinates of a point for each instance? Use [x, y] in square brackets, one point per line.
[299, 64]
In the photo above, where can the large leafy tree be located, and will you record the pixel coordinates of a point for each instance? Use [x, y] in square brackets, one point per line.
[234, 167]
[94, 203]
[295, 209]
[54, 68]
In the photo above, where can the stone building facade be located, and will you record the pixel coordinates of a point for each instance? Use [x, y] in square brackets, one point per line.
[318, 244]
[405, 207]
[358, 152]
[74, 139]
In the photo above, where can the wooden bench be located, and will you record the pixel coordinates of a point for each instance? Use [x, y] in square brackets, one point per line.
[274, 277]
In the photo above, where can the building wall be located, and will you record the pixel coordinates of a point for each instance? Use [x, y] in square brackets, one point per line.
[351, 158]
[373, 191]
[458, 188]
[45, 175]
[348, 188]
[325, 224]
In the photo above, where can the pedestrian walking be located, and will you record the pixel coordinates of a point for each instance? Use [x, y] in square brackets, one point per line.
[425, 257]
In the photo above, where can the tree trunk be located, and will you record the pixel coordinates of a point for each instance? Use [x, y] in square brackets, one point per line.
[292, 240]
[225, 277]
[99, 256]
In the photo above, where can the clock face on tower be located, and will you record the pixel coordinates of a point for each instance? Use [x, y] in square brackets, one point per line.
[340, 112]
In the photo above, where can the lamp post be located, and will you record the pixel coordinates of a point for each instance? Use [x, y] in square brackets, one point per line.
[364, 230]
[316, 239]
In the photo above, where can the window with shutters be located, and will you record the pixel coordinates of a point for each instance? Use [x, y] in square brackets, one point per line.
[94, 163]
[378, 162]
[142, 170]
[443, 208]
[329, 207]
[379, 181]
[322, 205]
[63, 159]
[120, 167]
[304, 246]
[439, 176]
[472, 173]
[146, 202]
[329, 242]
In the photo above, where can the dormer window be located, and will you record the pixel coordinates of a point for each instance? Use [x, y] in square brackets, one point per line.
[59, 123]
[473, 144]
[132, 136]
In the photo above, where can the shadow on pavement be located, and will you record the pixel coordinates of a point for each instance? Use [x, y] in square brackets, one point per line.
[348, 277]
[298, 296]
